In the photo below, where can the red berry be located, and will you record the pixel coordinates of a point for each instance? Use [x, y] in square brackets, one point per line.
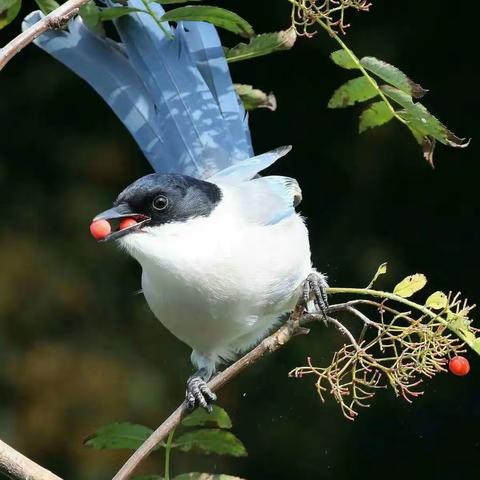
[459, 366]
[127, 222]
[100, 229]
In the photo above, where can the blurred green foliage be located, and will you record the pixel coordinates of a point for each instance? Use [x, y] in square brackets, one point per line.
[78, 349]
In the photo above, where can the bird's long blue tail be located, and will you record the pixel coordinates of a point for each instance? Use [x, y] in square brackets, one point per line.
[175, 95]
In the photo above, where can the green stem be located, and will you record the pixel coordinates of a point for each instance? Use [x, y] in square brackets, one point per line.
[146, 3]
[168, 449]
[355, 60]
[422, 308]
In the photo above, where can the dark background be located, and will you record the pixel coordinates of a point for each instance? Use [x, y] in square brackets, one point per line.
[78, 349]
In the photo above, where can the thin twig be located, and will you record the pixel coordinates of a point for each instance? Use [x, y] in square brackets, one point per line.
[18, 467]
[58, 18]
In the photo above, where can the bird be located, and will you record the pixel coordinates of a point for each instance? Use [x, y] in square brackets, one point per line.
[225, 254]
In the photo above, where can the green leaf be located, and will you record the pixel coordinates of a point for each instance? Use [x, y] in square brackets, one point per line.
[343, 59]
[118, 435]
[356, 90]
[90, 14]
[110, 13]
[262, 45]
[212, 441]
[422, 120]
[409, 285]
[205, 476]
[200, 418]
[219, 17]
[437, 301]
[381, 270]
[9, 9]
[393, 76]
[47, 6]
[374, 115]
[253, 98]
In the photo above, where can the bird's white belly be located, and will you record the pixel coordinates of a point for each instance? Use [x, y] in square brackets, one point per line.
[193, 312]
[220, 290]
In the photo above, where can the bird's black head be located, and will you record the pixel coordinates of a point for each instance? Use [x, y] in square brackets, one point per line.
[157, 199]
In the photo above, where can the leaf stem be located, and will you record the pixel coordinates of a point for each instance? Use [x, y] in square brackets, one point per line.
[168, 449]
[422, 308]
[157, 21]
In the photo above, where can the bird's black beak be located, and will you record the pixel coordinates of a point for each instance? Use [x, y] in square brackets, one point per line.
[120, 212]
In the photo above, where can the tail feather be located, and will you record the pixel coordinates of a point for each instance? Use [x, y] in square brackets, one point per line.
[204, 43]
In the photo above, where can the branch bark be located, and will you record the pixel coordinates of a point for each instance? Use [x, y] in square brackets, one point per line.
[18, 467]
[55, 19]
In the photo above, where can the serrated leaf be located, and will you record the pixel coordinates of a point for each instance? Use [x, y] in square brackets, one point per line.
[118, 435]
[110, 13]
[437, 301]
[356, 90]
[8, 11]
[262, 44]
[374, 115]
[212, 440]
[419, 118]
[253, 98]
[409, 285]
[205, 476]
[219, 17]
[343, 59]
[47, 6]
[393, 76]
[200, 418]
[381, 270]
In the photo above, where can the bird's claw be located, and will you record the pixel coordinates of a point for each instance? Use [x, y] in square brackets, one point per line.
[198, 394]
[315, 288]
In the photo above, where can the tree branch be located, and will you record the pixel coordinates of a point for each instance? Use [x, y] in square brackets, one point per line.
[293, 327]
[18, 467]
[55, 19]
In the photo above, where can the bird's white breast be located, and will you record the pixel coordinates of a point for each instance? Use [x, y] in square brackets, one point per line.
[219, 282]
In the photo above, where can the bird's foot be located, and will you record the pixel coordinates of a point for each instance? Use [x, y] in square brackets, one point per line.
[198, 393]
[315, 288]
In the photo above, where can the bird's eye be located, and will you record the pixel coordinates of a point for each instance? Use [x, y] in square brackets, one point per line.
[160, 202]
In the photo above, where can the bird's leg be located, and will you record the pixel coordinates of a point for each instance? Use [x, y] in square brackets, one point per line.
[315, 288]
[198, 394]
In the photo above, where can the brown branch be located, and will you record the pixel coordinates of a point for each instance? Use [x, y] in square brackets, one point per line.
[18, 467]
[293, 327]
[56, 19]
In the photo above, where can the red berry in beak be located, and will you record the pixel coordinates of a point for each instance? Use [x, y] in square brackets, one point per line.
[459, 366]
[100, 229]
[126, 223]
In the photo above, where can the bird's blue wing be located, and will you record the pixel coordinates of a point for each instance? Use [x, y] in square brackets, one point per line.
[101, 63]
[272, 198]
[247, 169]
[204, 43]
